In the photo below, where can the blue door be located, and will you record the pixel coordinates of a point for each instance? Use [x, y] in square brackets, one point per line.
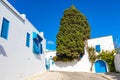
[100, 66]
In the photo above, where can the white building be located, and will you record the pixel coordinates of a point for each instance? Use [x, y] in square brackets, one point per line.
[102, 43]
[117, 62]
[22, 47]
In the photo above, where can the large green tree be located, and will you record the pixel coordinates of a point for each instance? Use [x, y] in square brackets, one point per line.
[74, 30]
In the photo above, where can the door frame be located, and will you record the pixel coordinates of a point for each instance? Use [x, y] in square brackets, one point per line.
[105, 64]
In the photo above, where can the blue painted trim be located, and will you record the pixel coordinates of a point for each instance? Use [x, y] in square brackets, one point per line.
[37, 46]
[100, 66]
[28, 40]
[98, 48]
[41, 51]
[5, 28]
[47, 64]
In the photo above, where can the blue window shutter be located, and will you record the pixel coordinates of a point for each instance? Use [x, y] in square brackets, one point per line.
[28, 40]
[37, 46]
[36, 49]
[5, 28]
[40, 48]
[98, 49]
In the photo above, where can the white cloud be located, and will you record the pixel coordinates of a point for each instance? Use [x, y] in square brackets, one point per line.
[47, 50]
[50, 42]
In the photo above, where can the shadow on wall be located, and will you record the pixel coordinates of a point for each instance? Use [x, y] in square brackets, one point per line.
[66, 64]
[2, 51]
[38, 56]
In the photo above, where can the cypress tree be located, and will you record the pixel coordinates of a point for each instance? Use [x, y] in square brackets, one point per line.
[74, 30]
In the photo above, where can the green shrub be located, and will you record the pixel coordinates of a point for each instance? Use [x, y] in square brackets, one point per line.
[108, 56]
[55, 58]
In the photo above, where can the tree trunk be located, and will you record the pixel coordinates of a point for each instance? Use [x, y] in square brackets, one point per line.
[91, 67]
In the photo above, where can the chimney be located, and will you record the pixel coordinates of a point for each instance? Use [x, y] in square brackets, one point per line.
[23, 16]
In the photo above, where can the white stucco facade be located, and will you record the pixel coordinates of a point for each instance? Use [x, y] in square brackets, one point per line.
[117, 62]
[17, 60]
[75, 66]
[106, 43]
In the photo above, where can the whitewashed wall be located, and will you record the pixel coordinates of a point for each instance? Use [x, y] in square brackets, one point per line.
[19, 61]
[83, 65]
[106, 43]
[75, 66]
[117, 62]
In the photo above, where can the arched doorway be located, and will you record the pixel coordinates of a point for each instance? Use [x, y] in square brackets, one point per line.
[100, 66]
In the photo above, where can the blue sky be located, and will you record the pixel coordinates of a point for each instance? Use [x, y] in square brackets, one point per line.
[103, 16]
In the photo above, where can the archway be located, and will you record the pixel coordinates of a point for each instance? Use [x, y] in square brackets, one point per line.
[100, 66]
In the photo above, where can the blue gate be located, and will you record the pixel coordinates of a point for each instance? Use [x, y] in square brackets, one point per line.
[100, 66]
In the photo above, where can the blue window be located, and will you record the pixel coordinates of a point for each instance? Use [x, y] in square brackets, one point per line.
[28, 40]
[37, 46]
[98, 49]
[5, 28]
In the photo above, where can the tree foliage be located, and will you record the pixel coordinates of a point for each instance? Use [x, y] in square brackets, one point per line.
[92, 56]
[74, 30]
[108, 56]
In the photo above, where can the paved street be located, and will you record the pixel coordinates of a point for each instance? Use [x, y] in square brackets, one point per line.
[74, 76]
